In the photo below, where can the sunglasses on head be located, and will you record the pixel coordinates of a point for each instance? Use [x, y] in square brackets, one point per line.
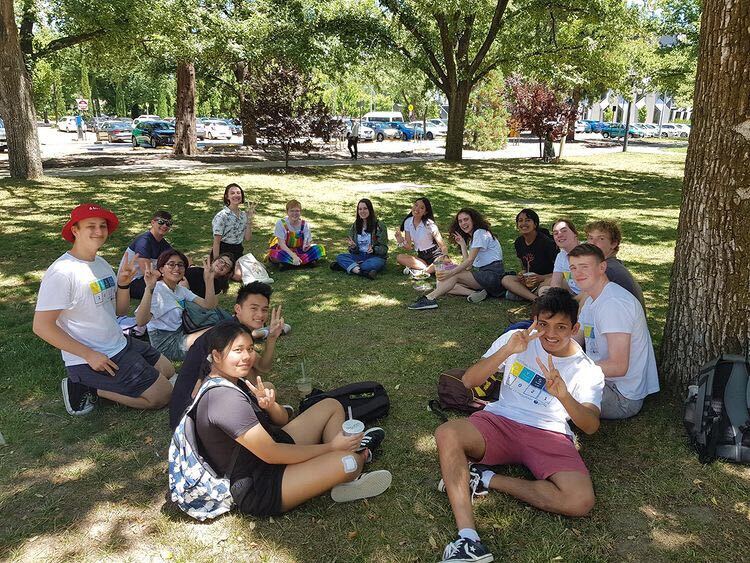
[166, 222]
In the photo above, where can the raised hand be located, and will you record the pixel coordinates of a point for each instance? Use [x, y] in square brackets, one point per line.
[520, 340]
[555, 383]
[459, 240]
[399, 237]
[266, 397]
[350, 242]
[276, 326]
[151, 276]
[208, 271]
[251, 207]
[128, 271]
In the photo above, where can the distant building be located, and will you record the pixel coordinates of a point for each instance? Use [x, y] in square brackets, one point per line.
[654, 103]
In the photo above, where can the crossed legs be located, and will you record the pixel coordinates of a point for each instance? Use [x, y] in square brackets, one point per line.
[460, 284]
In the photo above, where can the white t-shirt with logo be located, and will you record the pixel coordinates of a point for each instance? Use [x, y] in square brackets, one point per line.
[616, 310]
[523, 394]
[86, 293]
[562, 265]
[489, 248]
[167, 306]
[424, 235]
[364, 241]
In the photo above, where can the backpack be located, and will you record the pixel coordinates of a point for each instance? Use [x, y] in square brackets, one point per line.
[452, 395]
[367, 399]
[717, 410]
[194, 485]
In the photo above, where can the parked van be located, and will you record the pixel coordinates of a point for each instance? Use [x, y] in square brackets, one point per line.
[383, 116]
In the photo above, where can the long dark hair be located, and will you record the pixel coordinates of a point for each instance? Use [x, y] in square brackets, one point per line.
[224, 334]
[371, 220]
[428, 215]
[534, 216]
[477, 220]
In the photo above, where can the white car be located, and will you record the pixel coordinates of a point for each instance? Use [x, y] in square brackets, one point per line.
[683, 130]
[366, 133]
[580, 126]
[3, 138]
[217, 129]
[670, 130]
[68, 124]
[432, 129]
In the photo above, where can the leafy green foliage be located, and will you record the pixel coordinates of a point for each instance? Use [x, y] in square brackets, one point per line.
[487, 116]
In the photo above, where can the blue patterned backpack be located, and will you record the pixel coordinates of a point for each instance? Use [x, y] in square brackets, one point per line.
[196, 488]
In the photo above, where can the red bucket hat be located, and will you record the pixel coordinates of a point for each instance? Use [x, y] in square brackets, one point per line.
[87, 211]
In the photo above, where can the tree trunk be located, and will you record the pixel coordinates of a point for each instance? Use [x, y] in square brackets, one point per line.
[709, 301]
[185, 143]
[575, 100]
[17, 102]
[247, 108]
[458, 100]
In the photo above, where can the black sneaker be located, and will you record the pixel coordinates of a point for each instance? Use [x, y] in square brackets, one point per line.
[476, 488]
[79, 399]
[423, 303]
[464, 550]
[372, 274]
[371, 440]
[336, 267]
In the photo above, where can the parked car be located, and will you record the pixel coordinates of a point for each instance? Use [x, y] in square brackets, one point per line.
[146, 117]
[593, 126]
[113, 131]
[683, 129]
[153, 132]
[580, 126]
[234, 126]
[383, 116]
[650, 129]
[68, 124]
[3, 138]
[383, 130]
[617, 130]
[432, 130]
[441, 124]
[217, 129]
[640, 130]
[670, 130]
[366, 132]
[407, 133]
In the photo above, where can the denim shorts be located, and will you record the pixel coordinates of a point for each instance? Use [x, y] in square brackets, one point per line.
[134, 374]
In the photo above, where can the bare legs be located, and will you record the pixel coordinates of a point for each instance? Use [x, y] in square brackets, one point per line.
[462, 283]
[155, 397]
[414, 263]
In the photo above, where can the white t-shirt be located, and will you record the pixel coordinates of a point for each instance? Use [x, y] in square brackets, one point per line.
[562, 265]
[523, 395]
[616, 310]
[167, 306]
[364, 240]
[423, 236]
[86, 294]
[280, 232]
[489, 248]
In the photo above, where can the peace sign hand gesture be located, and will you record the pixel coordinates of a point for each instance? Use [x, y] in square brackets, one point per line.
[251, 207]
[266, 397]
[555, 383]
[151, 276]
[520, 340]
[127, 271]
[276, 326]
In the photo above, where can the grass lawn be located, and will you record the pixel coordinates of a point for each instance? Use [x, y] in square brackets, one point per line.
[93, 487]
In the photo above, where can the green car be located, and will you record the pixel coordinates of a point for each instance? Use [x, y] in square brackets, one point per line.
[617, 130]
[154, 133]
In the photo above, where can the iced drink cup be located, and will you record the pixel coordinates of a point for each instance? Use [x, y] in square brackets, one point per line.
[352, 427]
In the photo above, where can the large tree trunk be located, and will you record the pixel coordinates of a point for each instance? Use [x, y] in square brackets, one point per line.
[709, 300]
[458, 100]
[247, 108]
[16, 102]
[185, 143]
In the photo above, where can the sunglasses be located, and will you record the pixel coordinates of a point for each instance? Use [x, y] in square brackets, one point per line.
[164, 222]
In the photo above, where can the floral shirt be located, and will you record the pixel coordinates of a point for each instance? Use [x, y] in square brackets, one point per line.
[230, 226]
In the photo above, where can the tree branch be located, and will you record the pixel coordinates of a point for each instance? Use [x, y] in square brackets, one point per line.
[462, 53]
[499, 61]
[64, 42]
[447, 44]
[497, 20]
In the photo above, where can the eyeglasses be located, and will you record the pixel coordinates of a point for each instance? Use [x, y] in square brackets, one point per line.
[164, 222]
[175, 265]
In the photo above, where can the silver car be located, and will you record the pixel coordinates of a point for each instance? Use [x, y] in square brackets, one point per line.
[3, 138]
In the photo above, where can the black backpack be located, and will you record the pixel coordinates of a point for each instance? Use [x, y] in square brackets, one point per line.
[717, 410]
[367, 399]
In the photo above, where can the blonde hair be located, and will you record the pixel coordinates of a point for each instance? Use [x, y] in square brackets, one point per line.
[293, 203]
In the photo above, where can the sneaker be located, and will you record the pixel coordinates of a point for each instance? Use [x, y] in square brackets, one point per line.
[79, 399]
[371, 440]
[466, 550]
[477, 296]
[476, 488]
[372, 274]
[423, 303]
[336, 267]
[366, 485]
[262, 333]
[407, 271]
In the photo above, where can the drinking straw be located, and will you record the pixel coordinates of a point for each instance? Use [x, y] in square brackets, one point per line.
[350, 412]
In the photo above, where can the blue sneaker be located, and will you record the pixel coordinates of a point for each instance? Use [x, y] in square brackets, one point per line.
[476, 488]
[467, 551]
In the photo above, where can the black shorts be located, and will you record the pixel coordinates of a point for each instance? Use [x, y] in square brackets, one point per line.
[137, 288]
[237, 250]
[489, 276]
[428, 256]
[256, 487]
[135, 371]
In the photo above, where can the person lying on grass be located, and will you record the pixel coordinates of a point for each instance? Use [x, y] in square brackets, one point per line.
[280, 464]
[615, 333]
[547, 381]
[481, 270]
[292, 245]
[536, 251]
[164, 301]
[223, 268]
[251, 309]
[76, 312]
[422, 235]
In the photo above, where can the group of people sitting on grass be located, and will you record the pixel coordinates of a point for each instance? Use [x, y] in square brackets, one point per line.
[586, 355]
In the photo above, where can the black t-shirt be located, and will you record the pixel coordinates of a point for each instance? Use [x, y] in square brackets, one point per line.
[223, 415]
[619, 274]
[194, 277]
[194, 367]
[539, 256]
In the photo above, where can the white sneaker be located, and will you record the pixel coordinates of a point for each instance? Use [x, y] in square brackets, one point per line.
[407, 271]
[366, 485]
[477, 296]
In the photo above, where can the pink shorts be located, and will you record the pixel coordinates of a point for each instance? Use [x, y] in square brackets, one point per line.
[511, 443]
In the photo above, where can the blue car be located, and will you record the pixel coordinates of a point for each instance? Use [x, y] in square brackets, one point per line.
[407, 133]
[593, 126]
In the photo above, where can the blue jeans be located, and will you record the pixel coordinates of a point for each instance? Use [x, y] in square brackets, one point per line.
[366, 262]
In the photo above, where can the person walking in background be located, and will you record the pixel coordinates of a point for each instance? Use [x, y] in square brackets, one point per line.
[353, 138]
[79, 127]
